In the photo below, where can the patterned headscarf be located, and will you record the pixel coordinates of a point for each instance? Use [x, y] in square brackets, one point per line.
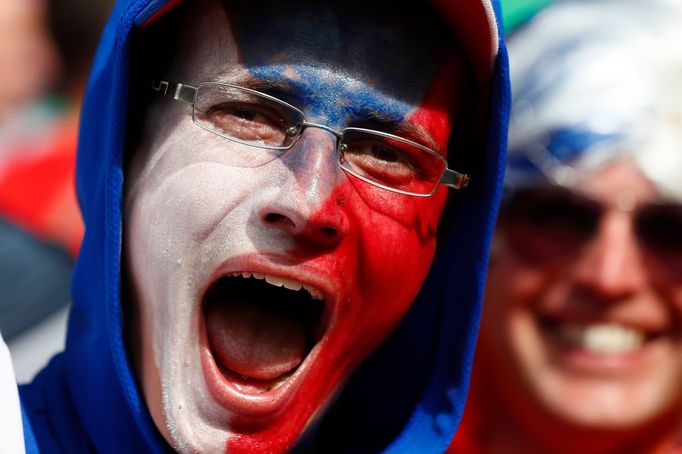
[593, 80]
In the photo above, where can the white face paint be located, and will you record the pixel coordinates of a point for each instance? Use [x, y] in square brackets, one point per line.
[219, 370]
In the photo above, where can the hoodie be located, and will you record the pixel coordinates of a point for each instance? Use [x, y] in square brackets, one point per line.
[407, 396]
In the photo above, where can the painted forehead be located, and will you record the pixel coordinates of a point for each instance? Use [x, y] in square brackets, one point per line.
[397, 53]
[341, 59]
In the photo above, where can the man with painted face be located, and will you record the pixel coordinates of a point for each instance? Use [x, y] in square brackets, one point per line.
[580, 347]
[262, 186]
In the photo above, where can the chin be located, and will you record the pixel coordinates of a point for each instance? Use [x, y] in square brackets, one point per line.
[608, 407]
[604, 376]
[255, 357]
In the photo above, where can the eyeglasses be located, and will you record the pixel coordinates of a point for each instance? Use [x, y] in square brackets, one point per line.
[268, 126]
[545, 223]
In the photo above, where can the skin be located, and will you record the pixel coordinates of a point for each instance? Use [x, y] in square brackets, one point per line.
[28, 60]
[602, 402]
[193, 215]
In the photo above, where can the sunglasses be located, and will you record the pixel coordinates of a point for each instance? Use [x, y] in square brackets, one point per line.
[548, 222]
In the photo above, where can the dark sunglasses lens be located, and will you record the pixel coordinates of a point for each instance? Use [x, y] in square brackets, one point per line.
[548, 223]
[659, 228]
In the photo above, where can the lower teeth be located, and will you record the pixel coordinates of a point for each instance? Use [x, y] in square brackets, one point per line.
[280, 381]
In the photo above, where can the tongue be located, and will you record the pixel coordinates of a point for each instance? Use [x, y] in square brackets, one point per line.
[256, 340]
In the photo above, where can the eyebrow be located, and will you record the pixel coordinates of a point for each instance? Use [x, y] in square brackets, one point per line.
[374, 119]
[371, 118]
[243, 79]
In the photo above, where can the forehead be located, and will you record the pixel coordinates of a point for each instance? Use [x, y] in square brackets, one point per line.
[618, 179]
[396, 51]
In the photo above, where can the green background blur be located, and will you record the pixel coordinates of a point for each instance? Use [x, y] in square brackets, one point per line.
[517, 12]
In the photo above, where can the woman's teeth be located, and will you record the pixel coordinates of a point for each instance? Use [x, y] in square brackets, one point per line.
[601, 338]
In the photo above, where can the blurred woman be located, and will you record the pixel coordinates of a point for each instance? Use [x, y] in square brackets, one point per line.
[581, 342]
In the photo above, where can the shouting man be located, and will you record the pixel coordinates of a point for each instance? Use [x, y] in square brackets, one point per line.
[261, 215]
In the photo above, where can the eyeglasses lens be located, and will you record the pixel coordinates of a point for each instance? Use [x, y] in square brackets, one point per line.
[267, 126]
[247, 117]
[659, 229]
[546, 223]
[390, 161]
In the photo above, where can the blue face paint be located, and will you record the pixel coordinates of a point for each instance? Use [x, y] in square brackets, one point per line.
[334, 100]
[322, 39]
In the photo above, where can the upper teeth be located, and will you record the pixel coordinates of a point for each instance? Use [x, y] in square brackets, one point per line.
[284, 282]
[602, 337]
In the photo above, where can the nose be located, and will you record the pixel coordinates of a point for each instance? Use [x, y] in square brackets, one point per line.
[308, 204]
[612, 266]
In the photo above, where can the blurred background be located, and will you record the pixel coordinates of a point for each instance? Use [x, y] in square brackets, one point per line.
[46, 48]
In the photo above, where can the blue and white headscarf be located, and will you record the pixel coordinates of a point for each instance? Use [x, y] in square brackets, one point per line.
[593, 80]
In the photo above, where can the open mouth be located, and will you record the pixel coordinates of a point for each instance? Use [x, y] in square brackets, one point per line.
[600, 338]
[260, 328]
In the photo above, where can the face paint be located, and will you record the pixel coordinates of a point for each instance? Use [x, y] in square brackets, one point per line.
[201, 235]
[330, 99]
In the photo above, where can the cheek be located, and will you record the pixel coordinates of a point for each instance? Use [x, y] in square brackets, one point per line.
[509, 343]
[666, 277]
[395, 237]
[512, 293]
[148, 372]
[186, 188]
[516, 282]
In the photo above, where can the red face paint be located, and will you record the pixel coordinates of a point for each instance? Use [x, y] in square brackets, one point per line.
[376, 234]
[374, 291]
[202, 231]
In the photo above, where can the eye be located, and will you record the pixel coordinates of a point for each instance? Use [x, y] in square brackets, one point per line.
[244, 112]
[378, 161]
[545, 224]
[246, 122]
[554, 210]
[658, 228]
[386, 154]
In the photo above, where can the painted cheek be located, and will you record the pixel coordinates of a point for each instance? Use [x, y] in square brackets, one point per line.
[395, 258]
[371, 233]
[379, 262]
[375, 233]
[380, 254]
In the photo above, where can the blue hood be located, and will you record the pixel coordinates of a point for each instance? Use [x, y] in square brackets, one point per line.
[407, 397]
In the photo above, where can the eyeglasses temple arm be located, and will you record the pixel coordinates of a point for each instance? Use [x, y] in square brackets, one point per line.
[180, 92]
[455, 179]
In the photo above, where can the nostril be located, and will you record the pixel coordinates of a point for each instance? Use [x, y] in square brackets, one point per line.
[329, 232]
[308, 231]
[277, 219]
[272, 218]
